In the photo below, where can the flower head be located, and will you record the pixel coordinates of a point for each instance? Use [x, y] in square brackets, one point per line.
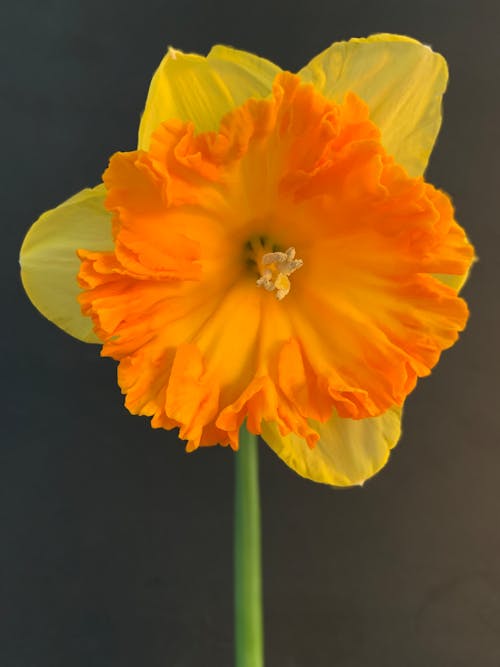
[271, 253]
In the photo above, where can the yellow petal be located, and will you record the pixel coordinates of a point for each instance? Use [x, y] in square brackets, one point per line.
[191, 87]
[400, 79]
[349, 451]
[49, 264]
[454, 281]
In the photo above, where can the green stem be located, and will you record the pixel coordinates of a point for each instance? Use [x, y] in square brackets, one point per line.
[247, 565]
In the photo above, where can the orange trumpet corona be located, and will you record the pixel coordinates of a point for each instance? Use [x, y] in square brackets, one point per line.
[279, 270]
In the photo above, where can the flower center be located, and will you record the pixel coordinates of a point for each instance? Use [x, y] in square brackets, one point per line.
[272, 265]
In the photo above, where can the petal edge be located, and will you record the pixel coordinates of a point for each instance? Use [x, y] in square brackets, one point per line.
[400, 79]
[201, 89]
[49, 263]
[349, 451]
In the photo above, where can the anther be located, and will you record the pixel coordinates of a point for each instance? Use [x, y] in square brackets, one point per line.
[275, 269]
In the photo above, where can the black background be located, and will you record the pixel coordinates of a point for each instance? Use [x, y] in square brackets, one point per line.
[116, 546]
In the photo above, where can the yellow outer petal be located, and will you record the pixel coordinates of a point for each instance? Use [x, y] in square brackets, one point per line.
[349, 451]
[454, 281]
[400, 79]
[49, 264]
[202, 90]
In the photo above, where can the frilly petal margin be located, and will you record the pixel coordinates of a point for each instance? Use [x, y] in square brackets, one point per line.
[49, 263]
[201, 89]
[400, 79]
[349, 451]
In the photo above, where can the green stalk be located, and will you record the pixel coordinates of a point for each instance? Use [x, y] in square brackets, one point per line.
[247, 556]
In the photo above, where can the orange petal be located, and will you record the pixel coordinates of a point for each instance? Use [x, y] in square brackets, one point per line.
[180, 302]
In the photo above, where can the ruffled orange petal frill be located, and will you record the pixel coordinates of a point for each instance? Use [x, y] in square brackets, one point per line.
[201, 346]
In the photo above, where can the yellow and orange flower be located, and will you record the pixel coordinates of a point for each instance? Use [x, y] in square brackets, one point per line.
[270, 253]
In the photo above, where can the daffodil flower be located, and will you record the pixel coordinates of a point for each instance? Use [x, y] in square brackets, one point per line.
[270, 253]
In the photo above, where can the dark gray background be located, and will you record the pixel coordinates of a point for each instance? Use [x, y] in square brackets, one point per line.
[116, 546]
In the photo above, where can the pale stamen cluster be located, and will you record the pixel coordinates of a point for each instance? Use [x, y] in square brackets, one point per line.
[276, 267]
